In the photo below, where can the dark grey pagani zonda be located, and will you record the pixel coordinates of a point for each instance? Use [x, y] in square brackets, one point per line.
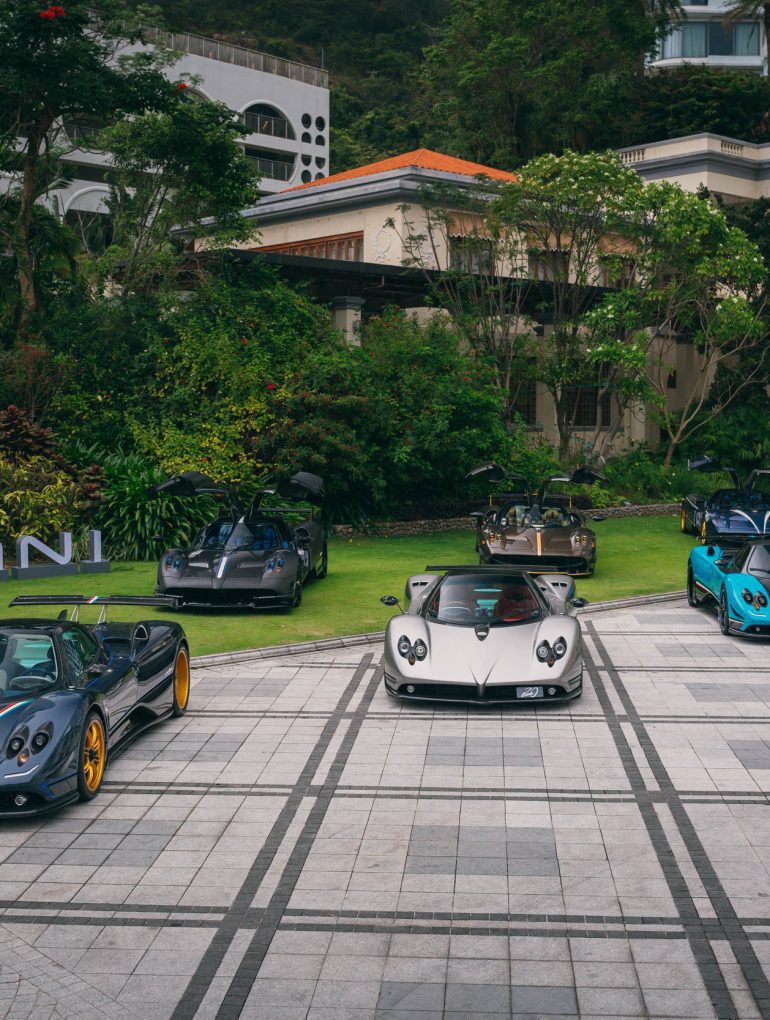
[255, 555]
[526, 527]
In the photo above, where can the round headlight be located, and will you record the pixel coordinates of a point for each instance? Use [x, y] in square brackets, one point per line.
[559, 647]
[543, 651]
[40, 740]
[177, 563]
[404, 646]
[761, 599]
[281, 564]
[270, 566]
[14, 746]
[169, 561]
[747, 596]
[420, 649]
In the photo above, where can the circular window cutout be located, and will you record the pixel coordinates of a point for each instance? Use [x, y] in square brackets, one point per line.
[319, 161]
[306, 137]
[319, 177]
[306, 160]
[305, 176]
[320, 123]
[307, 120]
[320, 140]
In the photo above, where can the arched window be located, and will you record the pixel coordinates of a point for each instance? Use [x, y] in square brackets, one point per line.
[262, 119]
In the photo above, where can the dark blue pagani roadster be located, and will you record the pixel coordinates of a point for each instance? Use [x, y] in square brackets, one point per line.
[729, 515]
[72, 696]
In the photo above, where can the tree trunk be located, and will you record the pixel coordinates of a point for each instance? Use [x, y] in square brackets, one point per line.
[25, 269]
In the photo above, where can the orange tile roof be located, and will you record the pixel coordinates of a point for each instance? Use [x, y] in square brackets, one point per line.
[425, 159]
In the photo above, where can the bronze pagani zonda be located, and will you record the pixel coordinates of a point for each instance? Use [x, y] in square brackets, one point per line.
[524, 527]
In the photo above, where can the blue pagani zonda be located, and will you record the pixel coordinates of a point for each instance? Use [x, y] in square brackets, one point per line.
[736, 513]
[72, 696]
[737, 581]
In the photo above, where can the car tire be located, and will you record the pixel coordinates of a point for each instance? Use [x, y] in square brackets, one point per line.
[181, 682]
[93, 756]
[683, 522]
[692, 596]
[323, 570]
[723, 614]
[296, 595]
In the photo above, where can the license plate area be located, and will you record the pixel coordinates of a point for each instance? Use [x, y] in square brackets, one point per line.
[528, 693]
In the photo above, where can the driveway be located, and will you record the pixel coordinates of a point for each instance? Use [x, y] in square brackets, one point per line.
[300, 846]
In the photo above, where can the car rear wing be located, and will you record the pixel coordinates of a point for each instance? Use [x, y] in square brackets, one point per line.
[497, 568]
[103, 601]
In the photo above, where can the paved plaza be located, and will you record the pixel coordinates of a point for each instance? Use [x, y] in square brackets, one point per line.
[300, 846]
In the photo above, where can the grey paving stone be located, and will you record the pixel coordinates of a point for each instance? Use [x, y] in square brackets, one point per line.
[411, 996]
[477, 998]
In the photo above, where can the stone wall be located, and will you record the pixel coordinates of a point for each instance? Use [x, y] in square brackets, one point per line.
[397, 529]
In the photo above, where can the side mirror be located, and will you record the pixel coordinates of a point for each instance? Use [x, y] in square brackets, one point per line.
[302, 537]
[578, 603]
[96, 669]
[721, 563]
[710, 551]
[478, 515]
[389, 600]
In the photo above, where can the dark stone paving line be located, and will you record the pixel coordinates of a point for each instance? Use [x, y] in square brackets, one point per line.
[108, 922]
[510, 931]
[248, 969]
[695, 928]
[214, 955]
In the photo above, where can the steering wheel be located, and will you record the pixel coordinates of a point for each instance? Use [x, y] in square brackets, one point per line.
[28, 682]
[456, 607]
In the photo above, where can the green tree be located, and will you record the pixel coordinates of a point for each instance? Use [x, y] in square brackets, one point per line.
[508, 80]
[168, 172]
[62, 65]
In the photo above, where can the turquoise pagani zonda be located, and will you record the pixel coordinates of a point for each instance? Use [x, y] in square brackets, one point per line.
[737, 581]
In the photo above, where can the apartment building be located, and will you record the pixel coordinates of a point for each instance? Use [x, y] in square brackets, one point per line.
[703, 36]
[283, 105]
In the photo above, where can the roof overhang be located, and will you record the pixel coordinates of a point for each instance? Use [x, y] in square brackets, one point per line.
[404, 185]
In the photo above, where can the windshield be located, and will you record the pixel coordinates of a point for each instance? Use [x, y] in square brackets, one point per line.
[760, 560]
[467, 599]
[27, 663]
[548, 517]
[738, 499]
[228, 536]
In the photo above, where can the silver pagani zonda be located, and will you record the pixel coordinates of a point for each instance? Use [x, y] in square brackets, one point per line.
[485, 635]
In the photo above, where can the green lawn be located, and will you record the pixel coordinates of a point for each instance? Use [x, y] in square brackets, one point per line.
[637, 556]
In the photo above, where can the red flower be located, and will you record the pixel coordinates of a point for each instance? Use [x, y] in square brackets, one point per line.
[271, 386]
[59, 11]
[181, 85]
[466, 379]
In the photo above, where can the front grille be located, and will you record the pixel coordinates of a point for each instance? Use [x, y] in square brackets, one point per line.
[469, 693]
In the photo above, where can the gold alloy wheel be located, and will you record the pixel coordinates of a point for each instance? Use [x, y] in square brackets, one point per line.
[182, 679]
[684, 521]
[703, 531]
[93, 755]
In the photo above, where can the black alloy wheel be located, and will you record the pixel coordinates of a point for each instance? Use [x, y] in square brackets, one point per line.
[296, 594]
[692, 595]
[723, 613]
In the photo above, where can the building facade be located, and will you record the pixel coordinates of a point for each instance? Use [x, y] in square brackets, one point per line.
[703, 36]
[283, 105]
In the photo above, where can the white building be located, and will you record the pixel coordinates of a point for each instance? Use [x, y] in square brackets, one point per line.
[284, 106]
[704, 37]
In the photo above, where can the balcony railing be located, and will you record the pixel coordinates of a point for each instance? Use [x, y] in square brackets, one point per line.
[200, 46]
[265, 125]
[273, 169]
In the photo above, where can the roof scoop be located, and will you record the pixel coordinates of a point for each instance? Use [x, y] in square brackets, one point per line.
[482, 631]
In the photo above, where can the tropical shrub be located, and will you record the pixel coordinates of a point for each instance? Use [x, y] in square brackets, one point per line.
[37, 498]
[134, 524]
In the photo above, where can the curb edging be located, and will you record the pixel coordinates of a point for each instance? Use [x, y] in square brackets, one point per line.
[351, 640]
